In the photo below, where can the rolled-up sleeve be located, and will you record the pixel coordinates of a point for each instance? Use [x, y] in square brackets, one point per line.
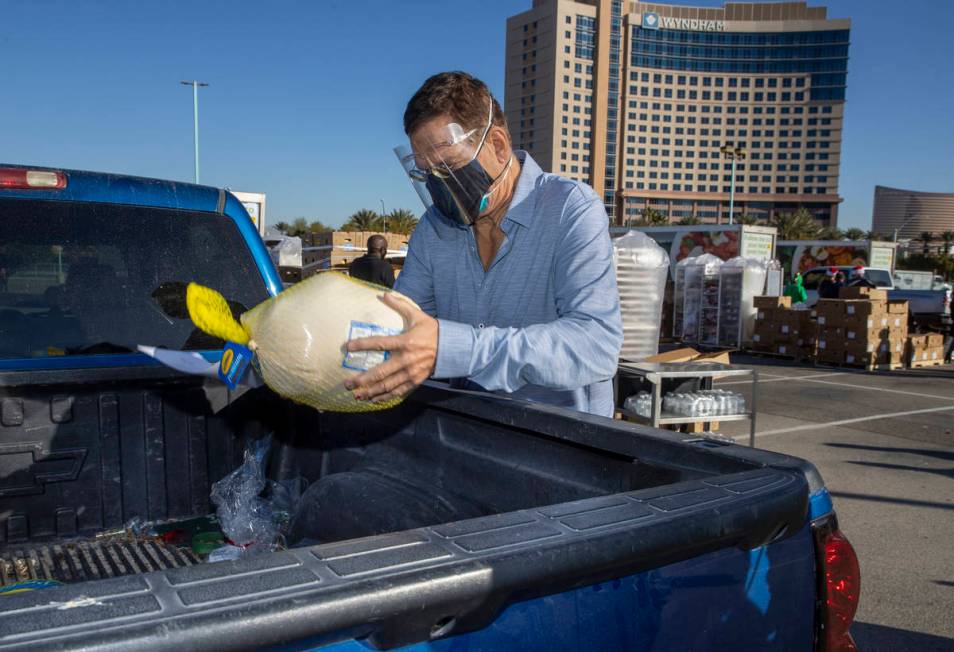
[580, 347]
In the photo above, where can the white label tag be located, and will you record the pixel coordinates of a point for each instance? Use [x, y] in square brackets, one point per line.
[784, 329]
[364, 360]
[821, 320]
[756, 338]
[850, 335]
[849, 358]
[781, 349]
[821, 344]
[850, 309]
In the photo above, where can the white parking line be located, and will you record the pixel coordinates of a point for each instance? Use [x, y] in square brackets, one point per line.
[844, 422]
[774, 378]
[809, 379]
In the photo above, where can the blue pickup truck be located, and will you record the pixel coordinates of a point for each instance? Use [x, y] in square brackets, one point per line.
[457, 521]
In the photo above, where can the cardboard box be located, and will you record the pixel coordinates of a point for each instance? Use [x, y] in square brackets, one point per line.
[862, 308]
[860, 333]
[689, 355]
[830, 312]
[934, 340]
[771, 303]
[898, 307]
[831, 339]
[862, 293]
[861, 322]
[786, 348]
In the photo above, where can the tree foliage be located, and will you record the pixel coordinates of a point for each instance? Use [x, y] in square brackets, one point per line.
[362, 220]
[401, 220]
[652, 217]
[798, 225]
[747, 219]
[855, 234]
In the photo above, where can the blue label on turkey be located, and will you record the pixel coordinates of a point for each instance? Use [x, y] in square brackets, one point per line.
[234, 364]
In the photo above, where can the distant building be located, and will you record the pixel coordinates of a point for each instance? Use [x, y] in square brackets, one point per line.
[912, 212]
[637, 99]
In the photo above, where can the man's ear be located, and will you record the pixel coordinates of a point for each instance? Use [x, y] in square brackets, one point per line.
[501, 142]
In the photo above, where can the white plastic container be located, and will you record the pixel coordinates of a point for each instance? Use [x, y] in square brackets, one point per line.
[642, 267]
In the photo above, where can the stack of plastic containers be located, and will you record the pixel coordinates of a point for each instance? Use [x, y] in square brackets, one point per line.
[700, 298]
[641, 270]
[740, 280]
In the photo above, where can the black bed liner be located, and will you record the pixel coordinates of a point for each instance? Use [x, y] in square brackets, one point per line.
[409, 586]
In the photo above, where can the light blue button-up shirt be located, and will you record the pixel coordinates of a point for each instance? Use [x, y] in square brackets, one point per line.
[543, 322]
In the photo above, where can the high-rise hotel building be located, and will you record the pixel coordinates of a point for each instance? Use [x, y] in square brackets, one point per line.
[638, 99]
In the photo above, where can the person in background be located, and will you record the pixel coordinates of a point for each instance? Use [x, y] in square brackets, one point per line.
[512, 267]
[372, 267]
[858, 279]
[839, 282]
[796, 290]
[827, 289]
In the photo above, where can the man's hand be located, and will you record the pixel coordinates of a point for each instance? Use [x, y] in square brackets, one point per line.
[412, 359]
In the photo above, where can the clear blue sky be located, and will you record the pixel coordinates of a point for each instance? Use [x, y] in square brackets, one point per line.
[306, 98]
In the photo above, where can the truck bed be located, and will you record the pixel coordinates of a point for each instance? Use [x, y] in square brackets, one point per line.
[430, 520]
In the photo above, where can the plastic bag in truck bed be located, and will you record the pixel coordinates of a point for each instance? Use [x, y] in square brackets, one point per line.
[298, 337]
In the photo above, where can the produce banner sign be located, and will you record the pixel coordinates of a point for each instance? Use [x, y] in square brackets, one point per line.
[757, 245]
[723, 244]
[806, 256]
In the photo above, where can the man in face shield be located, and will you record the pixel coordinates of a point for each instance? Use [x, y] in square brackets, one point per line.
[512, 267]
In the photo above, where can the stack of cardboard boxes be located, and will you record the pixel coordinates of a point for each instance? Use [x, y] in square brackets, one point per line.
[782, 330]
[925, 350]
[862, 328]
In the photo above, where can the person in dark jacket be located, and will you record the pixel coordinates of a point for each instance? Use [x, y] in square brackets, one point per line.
[372, 267]
[827, 288]
[858, 279]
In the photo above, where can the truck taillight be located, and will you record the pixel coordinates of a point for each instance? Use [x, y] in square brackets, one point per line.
[839, 588]
[32, 179]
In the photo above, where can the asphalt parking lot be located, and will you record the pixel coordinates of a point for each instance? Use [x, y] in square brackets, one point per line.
[884, 442]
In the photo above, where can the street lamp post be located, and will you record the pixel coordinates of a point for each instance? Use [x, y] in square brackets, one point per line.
[733, 154]
[903, 224]
[384, 216]
[195, 120]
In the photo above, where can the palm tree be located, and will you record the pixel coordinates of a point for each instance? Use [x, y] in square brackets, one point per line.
[855, 234]
[689, 221]
[319, 227]
[874, 235]
[652, 217]
[298, 228]
[401, 220]
[800, 225]
[747, 219]
[282, 226]
[926, 238]
[831, 233]
[947, 237]
[363, 220]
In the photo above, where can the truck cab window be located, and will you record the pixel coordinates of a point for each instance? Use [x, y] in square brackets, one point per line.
[81, 278]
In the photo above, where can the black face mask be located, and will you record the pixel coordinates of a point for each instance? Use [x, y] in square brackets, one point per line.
[463, 195]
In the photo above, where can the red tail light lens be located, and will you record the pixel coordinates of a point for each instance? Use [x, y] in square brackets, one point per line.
[841, 589]
[32, 179]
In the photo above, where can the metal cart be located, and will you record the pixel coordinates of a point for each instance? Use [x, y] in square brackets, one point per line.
[706, 372]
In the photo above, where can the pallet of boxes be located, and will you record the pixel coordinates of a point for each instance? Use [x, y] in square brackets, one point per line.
[783, 330]
[862, 329]
[925, 350]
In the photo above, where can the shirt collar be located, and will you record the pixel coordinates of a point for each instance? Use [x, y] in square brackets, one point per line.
[523, 201]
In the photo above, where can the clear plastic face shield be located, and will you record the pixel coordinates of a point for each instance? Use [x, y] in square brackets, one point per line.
[443, 160]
